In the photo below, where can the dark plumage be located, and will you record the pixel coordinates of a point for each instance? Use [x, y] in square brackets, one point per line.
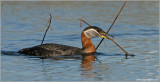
[51, 49]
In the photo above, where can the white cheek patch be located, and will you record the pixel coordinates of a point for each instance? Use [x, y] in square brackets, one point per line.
[91, 33]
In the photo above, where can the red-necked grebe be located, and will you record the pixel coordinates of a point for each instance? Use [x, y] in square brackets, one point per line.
[52, 49]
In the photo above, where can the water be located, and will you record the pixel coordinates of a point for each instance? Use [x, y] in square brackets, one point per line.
[136, 30]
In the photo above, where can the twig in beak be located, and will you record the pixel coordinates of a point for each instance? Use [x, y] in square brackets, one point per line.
[118, 46]
[109, 35]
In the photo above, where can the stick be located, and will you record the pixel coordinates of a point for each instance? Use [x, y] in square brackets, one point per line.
[49, 22]
[84, 22]
[80, 23]
[118, 45]
[112, 24]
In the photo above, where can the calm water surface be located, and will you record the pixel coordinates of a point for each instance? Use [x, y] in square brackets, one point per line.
[136, 30]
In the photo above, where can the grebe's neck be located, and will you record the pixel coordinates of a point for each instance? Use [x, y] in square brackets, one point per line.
[87, 44]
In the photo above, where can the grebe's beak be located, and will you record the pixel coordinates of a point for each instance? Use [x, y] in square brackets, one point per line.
[105, 35]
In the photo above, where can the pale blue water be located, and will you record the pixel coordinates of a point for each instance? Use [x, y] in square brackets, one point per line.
[136, 30]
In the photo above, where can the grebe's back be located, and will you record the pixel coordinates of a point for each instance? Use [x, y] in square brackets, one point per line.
[51, 49]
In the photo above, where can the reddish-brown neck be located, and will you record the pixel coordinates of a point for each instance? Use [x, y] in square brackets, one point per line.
[87, 44]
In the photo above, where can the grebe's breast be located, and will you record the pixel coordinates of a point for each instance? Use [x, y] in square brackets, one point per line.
[51, 49]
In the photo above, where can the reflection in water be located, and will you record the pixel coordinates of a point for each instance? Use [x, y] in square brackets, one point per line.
[87, 61]
[87, 65]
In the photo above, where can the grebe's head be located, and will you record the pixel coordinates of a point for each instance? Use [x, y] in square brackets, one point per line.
[93, 31]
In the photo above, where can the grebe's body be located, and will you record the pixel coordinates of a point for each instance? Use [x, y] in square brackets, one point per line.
[51, 49]
[57, 49]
